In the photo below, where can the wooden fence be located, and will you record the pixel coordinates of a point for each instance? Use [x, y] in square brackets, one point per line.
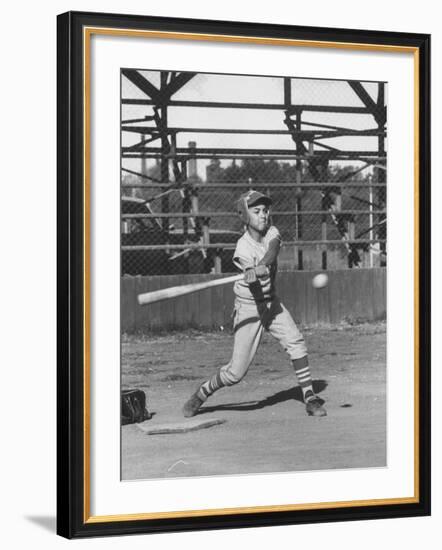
[352, 295]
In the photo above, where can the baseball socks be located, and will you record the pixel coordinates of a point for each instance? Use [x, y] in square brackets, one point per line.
[313, 404]
[204, 391]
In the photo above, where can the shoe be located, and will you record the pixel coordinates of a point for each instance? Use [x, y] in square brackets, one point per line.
[314, 407]
[192, 406]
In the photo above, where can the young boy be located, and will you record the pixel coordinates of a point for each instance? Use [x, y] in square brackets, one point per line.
[257, 308]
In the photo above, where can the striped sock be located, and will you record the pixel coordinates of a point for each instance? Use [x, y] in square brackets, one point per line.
[304, 377]
[214, 383]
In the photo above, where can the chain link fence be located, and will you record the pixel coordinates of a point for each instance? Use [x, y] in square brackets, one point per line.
[191, 146]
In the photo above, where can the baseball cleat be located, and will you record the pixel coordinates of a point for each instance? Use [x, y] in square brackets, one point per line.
[192, 406]
[314, 407]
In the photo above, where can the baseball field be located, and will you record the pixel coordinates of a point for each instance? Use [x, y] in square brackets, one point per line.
[265, 427]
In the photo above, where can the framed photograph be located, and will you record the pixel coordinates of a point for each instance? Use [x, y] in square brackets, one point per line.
[243, 274]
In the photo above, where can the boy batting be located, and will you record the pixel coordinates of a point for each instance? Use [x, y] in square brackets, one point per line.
[257, 308]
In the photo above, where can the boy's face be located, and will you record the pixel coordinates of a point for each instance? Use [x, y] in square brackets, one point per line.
[259, 217]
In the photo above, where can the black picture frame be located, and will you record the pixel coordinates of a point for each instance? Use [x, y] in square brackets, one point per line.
[73, 517]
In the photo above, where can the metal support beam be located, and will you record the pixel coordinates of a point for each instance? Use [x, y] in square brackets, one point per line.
[381, 178]
[262, 106]
[143, 84]
[378, 111]
[240, 185]
[165, 148]
[178, 82]
[320, 155]
[141, 175]
[231, 246]
[318, 134]
[241, 151]
[218, 214]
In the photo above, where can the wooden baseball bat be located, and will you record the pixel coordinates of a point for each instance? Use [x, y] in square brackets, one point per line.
[175, 291]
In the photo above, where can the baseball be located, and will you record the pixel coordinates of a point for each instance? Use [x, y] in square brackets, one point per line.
[320, 280]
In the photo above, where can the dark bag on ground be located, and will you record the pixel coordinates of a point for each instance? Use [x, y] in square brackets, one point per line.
[133, 407]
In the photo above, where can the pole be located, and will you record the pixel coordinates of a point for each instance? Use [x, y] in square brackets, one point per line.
[298, 207]
[165, 147]
[370, 219]
[143, 169]
[381, 173]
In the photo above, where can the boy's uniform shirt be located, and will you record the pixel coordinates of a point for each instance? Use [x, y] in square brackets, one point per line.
[248, 254]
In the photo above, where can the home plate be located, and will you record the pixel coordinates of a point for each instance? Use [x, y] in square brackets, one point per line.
[179, 427]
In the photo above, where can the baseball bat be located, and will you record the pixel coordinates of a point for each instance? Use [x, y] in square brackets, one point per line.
[175, 291]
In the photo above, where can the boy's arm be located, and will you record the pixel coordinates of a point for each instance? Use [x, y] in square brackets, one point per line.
[262, 269]
[273, 248]
[272, 253]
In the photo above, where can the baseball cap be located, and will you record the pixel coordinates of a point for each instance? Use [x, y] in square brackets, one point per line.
[246, 200]
[252, 197]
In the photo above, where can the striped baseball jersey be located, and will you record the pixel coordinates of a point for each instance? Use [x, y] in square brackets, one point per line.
[249, 253]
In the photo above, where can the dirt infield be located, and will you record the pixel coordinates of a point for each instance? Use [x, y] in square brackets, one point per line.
[266, 428]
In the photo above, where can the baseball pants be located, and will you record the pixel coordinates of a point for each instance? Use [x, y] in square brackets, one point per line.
[250, 320]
